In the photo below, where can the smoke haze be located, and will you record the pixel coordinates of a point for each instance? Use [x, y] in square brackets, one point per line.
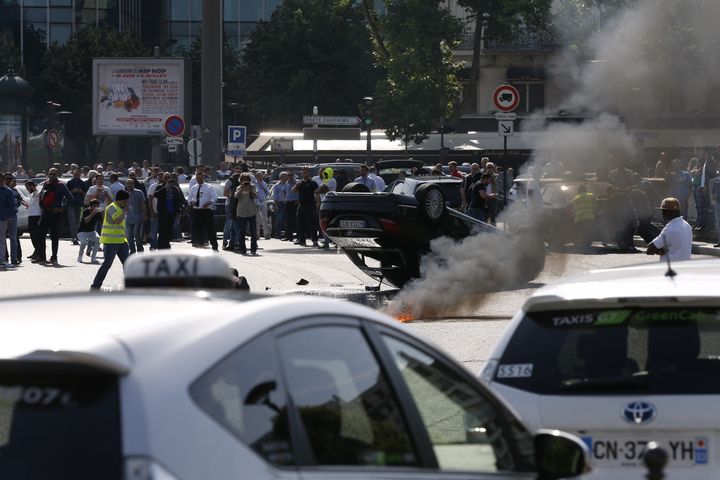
[657, 58]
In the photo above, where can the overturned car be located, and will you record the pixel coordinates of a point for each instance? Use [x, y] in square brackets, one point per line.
[386, 233]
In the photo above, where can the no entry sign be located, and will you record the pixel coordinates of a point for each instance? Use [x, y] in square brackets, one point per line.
[174, 126]
[506, 98]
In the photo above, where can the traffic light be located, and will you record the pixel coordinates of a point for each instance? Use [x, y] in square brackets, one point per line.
[366, 111]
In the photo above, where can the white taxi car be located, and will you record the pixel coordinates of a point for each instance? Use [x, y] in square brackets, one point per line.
[622, 357]
[156, 384]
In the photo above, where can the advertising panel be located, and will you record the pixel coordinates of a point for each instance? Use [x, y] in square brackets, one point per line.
[134, 96]
[10, 142]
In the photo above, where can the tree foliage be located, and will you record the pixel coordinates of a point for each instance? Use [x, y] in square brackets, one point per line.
[413, 43]
[311, 52]
[67, 78]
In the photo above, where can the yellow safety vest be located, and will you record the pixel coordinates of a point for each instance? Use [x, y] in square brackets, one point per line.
[113, 232]
[583, 207]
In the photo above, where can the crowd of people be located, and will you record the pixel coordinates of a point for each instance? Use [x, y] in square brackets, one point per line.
[152, 203]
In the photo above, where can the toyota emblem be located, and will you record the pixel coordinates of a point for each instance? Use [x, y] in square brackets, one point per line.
[639, 413]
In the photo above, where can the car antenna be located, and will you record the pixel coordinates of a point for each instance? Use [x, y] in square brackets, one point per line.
[670, 272]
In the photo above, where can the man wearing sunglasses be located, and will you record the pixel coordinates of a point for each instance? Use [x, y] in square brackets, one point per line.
[53, 198]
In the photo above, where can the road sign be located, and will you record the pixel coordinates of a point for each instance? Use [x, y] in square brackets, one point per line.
[506, 98]
[322, 133]
[505, 128]
[53, 139]
[174, 141]
[194, 149]
[330, 120]
[505, 116]
[174, 126]
[236, 134]
[172, 148]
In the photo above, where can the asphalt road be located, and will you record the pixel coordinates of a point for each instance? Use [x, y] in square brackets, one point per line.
[281, 265]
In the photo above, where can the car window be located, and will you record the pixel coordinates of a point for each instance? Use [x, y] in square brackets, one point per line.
[343, 399]
[55, 419]
[243, 393]
[635, 350]
[464, 427]
[555, 196]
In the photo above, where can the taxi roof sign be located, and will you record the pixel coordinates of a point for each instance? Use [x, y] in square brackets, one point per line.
[168, 269]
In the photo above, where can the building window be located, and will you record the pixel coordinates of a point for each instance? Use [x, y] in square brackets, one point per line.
[532, 96]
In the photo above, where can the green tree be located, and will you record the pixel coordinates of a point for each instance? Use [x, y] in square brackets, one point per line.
[311, 52]
[67, 78]
[413, 43]
[577, 21]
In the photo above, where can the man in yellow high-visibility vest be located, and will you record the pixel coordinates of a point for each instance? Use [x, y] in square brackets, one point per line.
[113, 236]
[583, 207]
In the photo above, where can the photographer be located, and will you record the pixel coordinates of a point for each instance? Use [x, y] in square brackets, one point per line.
[245, 213]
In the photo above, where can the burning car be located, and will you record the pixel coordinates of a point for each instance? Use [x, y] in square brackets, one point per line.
[385, 234]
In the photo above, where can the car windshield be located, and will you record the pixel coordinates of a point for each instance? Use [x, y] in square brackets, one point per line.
[53, 420]
[651, 350]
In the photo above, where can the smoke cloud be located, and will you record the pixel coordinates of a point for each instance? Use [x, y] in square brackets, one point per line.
[656, 58]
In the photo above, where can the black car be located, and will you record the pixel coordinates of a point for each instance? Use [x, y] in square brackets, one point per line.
[386, 233]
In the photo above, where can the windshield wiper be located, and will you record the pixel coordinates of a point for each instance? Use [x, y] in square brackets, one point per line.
[637, 381]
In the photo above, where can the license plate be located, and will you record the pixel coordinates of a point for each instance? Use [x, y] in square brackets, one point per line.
[628, 451]
[352, 223]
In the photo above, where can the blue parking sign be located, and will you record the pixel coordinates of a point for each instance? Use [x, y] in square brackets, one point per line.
[236, 134]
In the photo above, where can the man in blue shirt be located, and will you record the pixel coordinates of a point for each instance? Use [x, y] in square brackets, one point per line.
[291, 205]
[8, 211]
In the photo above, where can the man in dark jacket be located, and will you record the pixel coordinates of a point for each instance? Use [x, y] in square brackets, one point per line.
[170, 201]
[8, 211]
[53, 198]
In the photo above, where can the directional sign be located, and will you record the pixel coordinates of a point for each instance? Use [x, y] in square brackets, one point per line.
[174, 141]
[174, 126]
[506, 98]
[505, 128]
[172, 148]
[330, 120]
[236, 134]
[53, 139]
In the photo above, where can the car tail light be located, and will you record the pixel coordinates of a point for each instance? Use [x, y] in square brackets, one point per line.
[390, 227]
[323, 225]
[143, 468]
[489, 371]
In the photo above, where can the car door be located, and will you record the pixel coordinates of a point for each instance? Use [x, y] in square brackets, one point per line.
[352, 412]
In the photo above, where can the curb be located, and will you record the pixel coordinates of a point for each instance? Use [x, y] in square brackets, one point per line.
[698, 248]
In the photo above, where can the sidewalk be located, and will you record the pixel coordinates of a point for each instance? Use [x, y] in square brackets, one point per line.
[698, 248]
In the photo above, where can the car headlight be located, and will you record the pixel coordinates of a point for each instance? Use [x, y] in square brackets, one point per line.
[488, 371]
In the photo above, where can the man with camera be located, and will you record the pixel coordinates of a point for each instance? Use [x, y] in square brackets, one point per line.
[202, 198]
[169, 203]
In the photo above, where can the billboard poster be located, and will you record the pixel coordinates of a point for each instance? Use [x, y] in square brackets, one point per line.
[10, 141]
[134, 96]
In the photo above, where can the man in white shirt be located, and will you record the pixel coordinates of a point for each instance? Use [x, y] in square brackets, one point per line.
[365, 179]
[262, 218]
[100, 192]
[675, 240]
[379, 182]
[202, 198]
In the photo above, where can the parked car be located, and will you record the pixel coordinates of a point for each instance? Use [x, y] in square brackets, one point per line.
[219, 385]
[621, 357]
[22, 214]
[394, 228]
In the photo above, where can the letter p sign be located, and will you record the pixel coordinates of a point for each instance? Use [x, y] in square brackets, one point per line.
[236, 134]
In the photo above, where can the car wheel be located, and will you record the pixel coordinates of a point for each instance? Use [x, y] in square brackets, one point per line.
[431, 201]
[355, 187]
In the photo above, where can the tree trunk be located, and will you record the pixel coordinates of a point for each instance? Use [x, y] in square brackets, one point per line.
[470, 90]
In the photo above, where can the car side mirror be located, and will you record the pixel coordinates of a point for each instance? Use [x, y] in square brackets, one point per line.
[560, 455]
